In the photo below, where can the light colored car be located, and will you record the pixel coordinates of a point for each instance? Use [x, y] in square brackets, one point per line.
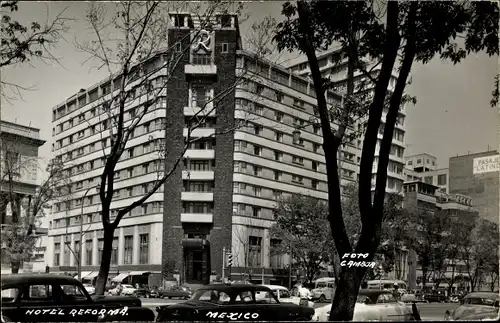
[324, 289]
[476, 306]
[373, 305]
[126, 290]
[284, 296]
[89, 288]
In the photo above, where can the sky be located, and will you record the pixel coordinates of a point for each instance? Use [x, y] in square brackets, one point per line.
[452, 115]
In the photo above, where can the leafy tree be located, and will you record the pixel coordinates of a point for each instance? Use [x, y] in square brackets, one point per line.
[22, 44]
[391, 32]
[18, 231]
[301, 225]
[480, 252]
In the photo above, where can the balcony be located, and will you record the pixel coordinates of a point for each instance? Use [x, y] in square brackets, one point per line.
[201, 65]
[197, 217]
[198, 174]
[200, 132]
[200, 154]
[197, 196]
[199, 111]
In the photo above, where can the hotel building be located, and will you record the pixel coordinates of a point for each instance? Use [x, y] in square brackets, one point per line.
[335, 69]
[224, 194]
[19, 144]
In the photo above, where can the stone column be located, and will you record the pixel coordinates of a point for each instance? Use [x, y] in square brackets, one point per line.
[135, 250]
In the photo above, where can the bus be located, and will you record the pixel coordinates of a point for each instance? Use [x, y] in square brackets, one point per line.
[386, 284]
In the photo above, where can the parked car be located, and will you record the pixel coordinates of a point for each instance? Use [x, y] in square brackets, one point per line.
[175, 291]
[475, 306]
[89, 288]
[127, 290]
[143, 291]
[230, 302]
[435, 297]
[375, 305]
[283, 295]
[58, 298]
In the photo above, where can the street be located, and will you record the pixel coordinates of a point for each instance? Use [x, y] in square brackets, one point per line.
[428, 311]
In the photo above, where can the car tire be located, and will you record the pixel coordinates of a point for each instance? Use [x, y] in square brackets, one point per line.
[170, 297]
[322, 299]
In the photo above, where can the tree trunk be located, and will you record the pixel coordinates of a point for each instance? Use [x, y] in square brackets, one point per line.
[15, 266]
[346, 294]
[102, 278]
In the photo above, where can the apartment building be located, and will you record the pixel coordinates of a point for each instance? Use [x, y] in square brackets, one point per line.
[19, 156]
[247, 157]
[424, 167]
[335, 68]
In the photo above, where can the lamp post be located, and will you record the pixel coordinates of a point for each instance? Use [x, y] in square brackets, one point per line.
[80, 246]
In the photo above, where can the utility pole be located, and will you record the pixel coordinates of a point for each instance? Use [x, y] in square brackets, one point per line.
[223, 263]
[290, 271]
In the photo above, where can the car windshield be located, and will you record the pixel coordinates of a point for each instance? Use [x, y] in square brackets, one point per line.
[363, 299]
[480, 301]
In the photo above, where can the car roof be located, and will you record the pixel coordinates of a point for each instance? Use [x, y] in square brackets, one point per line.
[235, 287]
[275, 287]
[17, 279]
[483, 294]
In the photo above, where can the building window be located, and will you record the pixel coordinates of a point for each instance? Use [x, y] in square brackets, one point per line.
[260, 89]
[256, 212]
[88, 252]
[279, 116]
[254, 252]
[57, 254]
[316, 148]
[428, 179]
[276, 260]
[410, 162]
[278, 156]
[129, 247]
[257, 150]
[225, 48]
[278, 176]
[114, 252]
[258, 130]
[442, 179]
[257, 171]
[144, 248]
[279, 97]
[279, 136]
[314, 184]
[419, 161]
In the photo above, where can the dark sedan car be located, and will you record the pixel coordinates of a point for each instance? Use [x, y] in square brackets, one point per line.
[242, 302]
[175, 291]
[144, 291]
[56, 298]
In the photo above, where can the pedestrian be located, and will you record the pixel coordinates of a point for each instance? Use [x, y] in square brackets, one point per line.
[119, 289]
[395, 292]
[303, 292]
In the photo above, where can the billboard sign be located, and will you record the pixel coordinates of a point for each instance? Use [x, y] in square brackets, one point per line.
[486, 164]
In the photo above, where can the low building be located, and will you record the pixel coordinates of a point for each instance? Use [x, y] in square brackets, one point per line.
[19, 168]
[425, 196]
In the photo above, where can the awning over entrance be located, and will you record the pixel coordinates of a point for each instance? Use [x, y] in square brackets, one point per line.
[84, 274]
[92, 275]
[120, 278]
[138, 273]
[194, 243]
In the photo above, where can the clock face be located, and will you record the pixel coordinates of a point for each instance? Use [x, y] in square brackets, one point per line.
[202, 41]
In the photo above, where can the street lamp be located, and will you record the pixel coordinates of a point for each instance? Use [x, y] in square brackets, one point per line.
[80, 246]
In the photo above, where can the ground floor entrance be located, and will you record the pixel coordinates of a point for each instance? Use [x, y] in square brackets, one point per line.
[196, 259]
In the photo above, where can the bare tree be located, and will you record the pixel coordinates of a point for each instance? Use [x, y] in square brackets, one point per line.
[22, 44]
[131, 43]
[18, 231]
[245, 255]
